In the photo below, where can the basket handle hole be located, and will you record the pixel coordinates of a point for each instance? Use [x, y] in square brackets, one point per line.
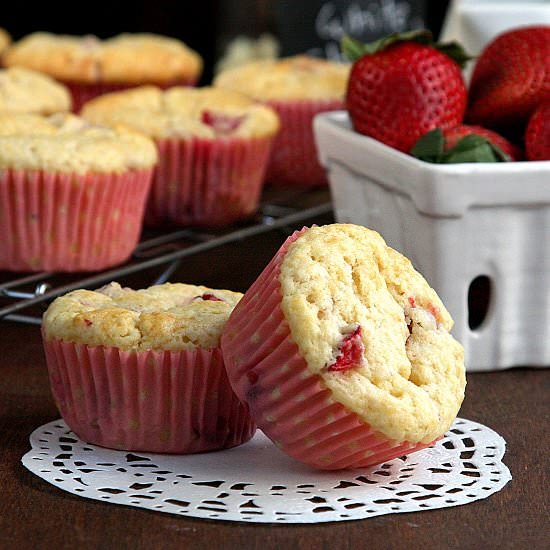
[479, 299]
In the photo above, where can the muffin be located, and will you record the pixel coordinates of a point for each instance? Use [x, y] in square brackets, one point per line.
[342, 351]
[213, 150]
[142, 370]
[298, 88]
[72, 195]
[5, 41]
[90, 66]
[25, 91]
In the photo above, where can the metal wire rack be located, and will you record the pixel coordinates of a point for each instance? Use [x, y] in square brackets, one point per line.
[158, 249]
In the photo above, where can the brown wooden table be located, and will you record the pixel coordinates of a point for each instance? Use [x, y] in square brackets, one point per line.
[34, 514]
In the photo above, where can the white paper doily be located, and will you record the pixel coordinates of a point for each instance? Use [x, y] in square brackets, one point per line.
[256, 482]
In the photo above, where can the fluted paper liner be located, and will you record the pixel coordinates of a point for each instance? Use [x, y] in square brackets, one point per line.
[207, 182]
[150, 401]
[69, 222]
[294, 155]
[291, 405]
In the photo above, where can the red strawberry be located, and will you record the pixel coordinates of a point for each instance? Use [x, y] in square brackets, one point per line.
[403, 86]
[464, 144]
[537, 135]
[455, 134]
[511, 78]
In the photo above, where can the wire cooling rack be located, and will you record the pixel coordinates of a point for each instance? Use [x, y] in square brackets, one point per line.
[279, 209]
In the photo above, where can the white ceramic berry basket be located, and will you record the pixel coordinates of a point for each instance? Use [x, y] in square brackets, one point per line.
[463, 226]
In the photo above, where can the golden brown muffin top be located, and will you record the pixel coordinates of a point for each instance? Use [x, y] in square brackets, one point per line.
[183, 112]
[292, 78]
[25, 91]
[346, 294]
[164, 317]
[66, 143]
[123, 59]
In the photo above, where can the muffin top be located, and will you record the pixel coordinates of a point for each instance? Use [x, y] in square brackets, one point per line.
[5, 40]
[183, 112]
[164, 317]
[27, 91]
[371, 327]
[291, 78]
[67, 143]
[125, 59]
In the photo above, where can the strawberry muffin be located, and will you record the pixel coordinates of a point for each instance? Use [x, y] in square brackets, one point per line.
[72, 195]
[342, 351]
[213, 149]
[90, 66]
[298, 88]
[25, 91]
[142, 370]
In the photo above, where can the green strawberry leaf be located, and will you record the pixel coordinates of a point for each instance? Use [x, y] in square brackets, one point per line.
[354, 49]
[456, 52]
[430, 146]
[471, 148]
[474, 148]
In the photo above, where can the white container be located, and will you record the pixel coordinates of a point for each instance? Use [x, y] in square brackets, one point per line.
[456, 223]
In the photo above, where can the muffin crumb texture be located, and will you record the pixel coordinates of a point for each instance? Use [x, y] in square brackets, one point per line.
[167, 317]
[371, 327]
[27, 91]
[126, 58]
[291, 78]
[183, 112]
[66, 143]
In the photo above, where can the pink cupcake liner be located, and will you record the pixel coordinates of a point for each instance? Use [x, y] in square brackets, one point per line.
[82, 92]
[149, 401]
[69, 222]
[294, 155]
[207, 182]
[292, 406]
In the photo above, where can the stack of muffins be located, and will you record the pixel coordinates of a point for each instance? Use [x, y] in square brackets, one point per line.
[340, 352]
[216, 146]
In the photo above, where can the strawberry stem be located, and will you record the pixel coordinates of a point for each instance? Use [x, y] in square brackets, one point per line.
[471, 148]
[354, 49]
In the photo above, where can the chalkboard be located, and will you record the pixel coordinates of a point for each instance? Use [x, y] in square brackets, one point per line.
[316, 26]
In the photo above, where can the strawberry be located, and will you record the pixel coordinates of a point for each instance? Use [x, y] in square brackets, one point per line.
[455, 134]
[402, 86]
[537, 135]
[464, 144]
[510, 79]
[350, 352]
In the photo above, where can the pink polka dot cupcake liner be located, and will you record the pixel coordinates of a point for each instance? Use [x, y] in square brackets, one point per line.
[70, 222]
[294, 156]
[205, 182]
[149, 401]
[82, 92]
[292, 406]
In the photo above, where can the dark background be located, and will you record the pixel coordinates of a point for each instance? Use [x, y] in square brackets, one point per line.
[208, 25]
